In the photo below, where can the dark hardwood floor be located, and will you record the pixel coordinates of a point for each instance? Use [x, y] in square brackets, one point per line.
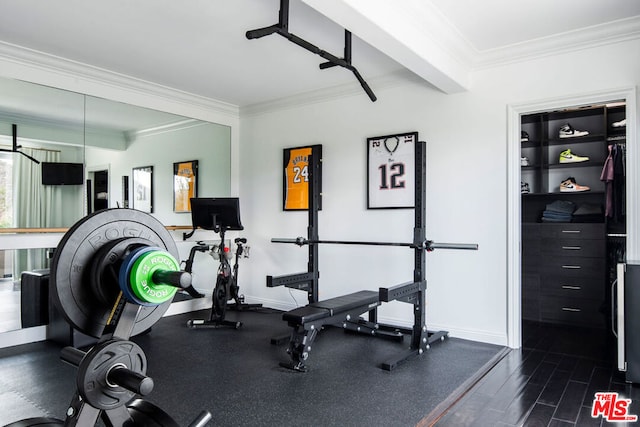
[551, 381]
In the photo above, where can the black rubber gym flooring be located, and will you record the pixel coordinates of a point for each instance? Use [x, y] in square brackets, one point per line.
[235, 375]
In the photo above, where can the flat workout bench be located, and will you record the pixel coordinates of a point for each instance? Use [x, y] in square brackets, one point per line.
[345, 311]
[334, 306]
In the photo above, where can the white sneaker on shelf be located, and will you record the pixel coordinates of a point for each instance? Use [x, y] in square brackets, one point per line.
[524, 161]
[524, 187]
[567, 131]
[622, 123]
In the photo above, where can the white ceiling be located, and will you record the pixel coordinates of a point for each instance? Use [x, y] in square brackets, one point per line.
[199, 46]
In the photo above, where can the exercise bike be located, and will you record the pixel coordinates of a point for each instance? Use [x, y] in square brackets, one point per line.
[220, 215]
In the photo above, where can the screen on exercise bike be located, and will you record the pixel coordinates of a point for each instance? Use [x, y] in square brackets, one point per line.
[215, 213]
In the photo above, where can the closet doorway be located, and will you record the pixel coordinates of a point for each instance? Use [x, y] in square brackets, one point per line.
[516, 113]
[573, 226]
[98, 190]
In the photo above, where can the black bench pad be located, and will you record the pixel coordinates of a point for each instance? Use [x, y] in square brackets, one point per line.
[331, 307]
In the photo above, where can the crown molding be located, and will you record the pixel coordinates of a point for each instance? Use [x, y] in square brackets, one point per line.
[73, 70]
[585, 38]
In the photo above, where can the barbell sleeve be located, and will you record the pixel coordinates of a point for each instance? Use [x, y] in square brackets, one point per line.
[465, 246]
[202, 419]
[131, 380]
[298, 240]
[179, 279]
[72, 355]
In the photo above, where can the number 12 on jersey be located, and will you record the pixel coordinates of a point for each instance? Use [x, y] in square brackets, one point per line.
[391, 171]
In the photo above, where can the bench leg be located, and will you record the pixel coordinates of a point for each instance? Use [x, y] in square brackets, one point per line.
[361, 326]
[299, 347]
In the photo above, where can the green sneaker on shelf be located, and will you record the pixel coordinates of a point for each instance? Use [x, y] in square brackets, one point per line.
[568, 157]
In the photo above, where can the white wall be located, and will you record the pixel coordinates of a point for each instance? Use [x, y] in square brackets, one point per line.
[466, 137]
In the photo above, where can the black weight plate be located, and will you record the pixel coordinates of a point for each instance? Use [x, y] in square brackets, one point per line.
[41, 422]
[71, 266]
[149, 415]
[92, 375]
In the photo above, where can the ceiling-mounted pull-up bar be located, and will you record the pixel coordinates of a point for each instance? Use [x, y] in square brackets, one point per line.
[15, 147]
[282, 28]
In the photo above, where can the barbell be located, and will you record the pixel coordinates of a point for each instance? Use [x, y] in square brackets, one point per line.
[427, 245]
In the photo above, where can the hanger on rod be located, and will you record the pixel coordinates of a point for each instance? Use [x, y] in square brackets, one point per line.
[282, 28]
[15, 147]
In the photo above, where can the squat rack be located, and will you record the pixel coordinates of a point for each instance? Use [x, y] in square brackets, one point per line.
[414, 293]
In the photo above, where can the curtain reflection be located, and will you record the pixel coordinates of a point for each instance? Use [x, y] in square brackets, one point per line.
[36, 205]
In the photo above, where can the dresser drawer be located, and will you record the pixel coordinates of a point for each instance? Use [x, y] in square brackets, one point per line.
[578, 311]
[571, 287]
[573, 267]
[572, 231]
[595, 248]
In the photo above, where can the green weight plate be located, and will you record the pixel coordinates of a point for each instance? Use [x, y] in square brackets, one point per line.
[73, 260]
[141, 277]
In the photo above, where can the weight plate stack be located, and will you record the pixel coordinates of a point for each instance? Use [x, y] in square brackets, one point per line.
[73, 270]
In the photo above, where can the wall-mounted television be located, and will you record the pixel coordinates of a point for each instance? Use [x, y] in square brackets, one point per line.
[60, 173]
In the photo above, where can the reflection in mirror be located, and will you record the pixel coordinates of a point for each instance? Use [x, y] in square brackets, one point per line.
[110, 139]
[25, 300]
[44, 125]
[48, 126]
[121, 138]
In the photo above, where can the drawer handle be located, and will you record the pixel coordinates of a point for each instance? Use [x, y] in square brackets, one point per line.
[572, 267]
[573, 288]
[571, 231]
[573, 310]
[572, 248]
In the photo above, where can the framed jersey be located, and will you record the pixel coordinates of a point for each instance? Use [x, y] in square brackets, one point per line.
[185, 185]
[295, 195]
[391, 171]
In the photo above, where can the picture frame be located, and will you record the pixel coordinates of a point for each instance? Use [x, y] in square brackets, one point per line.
[185, 185]
[391, 171]
[295, 177]
[125, 191]
[142, 185]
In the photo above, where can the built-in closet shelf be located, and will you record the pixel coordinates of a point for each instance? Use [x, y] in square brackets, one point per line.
[577, 140]
[575, 165]
[559, 194]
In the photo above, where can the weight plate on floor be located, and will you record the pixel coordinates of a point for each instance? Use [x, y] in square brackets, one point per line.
[72, 264]
[149, 415]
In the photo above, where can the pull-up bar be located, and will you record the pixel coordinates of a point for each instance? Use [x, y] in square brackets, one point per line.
[15, 147]
[282, 28]
[427, 245]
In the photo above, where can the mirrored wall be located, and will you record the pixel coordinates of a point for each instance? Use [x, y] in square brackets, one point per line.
[43, 125]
